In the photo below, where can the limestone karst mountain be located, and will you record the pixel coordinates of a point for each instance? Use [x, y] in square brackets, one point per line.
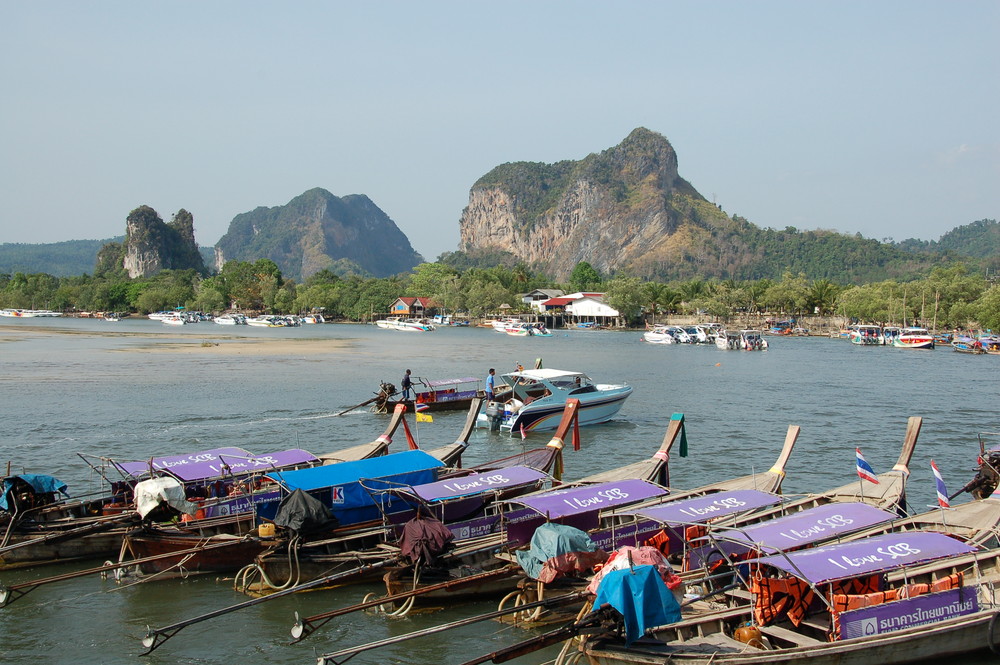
[317, 230]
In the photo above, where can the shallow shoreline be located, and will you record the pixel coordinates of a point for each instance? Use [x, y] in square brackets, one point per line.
[165, 342]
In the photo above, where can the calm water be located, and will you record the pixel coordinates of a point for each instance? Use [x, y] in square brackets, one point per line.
[102, 388]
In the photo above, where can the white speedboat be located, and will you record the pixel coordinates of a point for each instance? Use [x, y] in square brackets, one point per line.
[914, 338]
[538, 396]
[266, 321]
[28, 313]
[176, 319]
[406, 325]
[662, 334]
[752, 340]
[231, 320]
[727, 341]
[867, 336]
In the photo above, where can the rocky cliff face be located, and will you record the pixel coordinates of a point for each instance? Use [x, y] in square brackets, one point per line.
[315, 230]
[621, 208]
[151, 246]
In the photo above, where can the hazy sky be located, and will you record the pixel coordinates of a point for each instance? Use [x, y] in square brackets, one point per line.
[871, 117]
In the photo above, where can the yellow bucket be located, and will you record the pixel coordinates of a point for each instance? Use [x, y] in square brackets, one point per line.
[266, 530]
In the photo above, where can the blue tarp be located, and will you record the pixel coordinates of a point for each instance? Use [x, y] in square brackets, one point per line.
[40, 483]
[641, 597]
[342, 487]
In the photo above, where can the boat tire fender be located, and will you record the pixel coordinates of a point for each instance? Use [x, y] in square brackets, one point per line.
[991, 631]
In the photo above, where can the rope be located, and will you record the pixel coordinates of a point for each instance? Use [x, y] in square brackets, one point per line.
[294, 572]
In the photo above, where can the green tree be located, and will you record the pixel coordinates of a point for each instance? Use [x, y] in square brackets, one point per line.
[626, 295]
[584, 277]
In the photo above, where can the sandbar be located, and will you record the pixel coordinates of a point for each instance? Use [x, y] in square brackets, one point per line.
[165, 342]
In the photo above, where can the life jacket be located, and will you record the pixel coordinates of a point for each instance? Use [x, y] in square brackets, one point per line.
[779, 597]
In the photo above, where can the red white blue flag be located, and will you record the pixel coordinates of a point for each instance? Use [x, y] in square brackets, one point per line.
[420, 406]
[942, 491]
[865, 470]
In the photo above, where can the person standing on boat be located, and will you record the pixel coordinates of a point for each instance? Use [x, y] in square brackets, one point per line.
[491, 384]
[406, 385]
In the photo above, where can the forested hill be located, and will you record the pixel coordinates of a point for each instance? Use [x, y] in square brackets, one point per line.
[62, 259]
[980, 240]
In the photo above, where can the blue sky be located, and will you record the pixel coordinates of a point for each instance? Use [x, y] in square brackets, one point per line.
[870, 117]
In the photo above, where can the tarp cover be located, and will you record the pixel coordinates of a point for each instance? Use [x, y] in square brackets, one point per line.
[303, 514]
[554, 541]
[641, 597]
[40, 483]
[863, 557]
[425, 539]
[155, 492]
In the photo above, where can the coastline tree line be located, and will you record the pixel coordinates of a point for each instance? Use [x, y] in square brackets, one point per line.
[947, 297]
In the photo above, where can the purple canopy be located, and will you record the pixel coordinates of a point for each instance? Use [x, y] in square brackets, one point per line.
[174, 461]
[451, 382]
[705, 508]
[808, 526]
[864, 557]
[224, 462]
[478, 483]
[577, 500]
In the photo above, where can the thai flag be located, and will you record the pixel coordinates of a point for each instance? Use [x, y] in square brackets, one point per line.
[942, 491]
[865, 470]
[420, 407]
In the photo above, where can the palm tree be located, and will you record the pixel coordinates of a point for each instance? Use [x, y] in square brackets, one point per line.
[822, 296]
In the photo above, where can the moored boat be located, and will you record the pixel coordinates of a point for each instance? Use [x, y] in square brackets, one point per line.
[538, 396]
[431, 395]
[914, 337]
[866, 335]
[842, 603]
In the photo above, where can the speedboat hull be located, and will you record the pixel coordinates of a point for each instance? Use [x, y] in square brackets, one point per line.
[545, 417]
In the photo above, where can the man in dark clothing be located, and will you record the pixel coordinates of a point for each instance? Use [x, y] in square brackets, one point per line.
[406, 385]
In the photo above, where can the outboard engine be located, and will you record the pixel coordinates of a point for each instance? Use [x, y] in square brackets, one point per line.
[494, 413]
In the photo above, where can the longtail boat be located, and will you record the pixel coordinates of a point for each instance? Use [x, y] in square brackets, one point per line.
[843, 603]
[356, 565]
[224, 484]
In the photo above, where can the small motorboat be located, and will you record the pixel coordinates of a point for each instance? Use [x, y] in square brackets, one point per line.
[537, 397]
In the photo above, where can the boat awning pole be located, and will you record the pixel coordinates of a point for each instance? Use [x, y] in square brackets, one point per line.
[305, 627]
[8, 594]
[156, 636]
[347, 654]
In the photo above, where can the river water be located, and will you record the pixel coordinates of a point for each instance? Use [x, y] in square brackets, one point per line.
[137, 388]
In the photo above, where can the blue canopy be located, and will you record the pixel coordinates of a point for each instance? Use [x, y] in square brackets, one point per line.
[42, 484]
[345, 487]
[329, 475]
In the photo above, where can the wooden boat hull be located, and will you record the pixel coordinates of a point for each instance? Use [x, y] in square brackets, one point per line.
[93, 546]
[961, 635]
[461, 404]
[228, 559]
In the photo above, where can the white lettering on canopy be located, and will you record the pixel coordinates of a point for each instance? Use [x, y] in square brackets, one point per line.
[714, 507]
[833, 522]
[482, 481]
[608, 495]
[891, 552]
